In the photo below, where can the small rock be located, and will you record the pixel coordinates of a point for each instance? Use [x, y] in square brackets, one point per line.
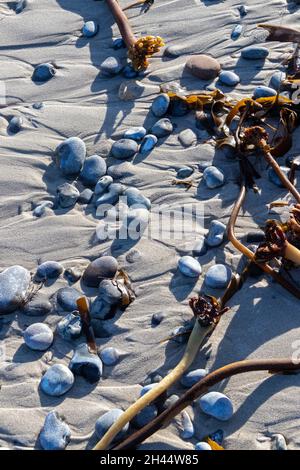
[67, 195]
[152, 378]
[109, 296]
[173, 51]
[160, 105]
[135, 198]
[218, 276]
[202, 446]
[135, 133]
[148, 143]
[57, 380]
[38, 306]
[70, 327]
[216, 233]
[276, 79]
[70, 156]
[200, 247]
[99, 269]
[38, 105]
[243, 10]
[129, 72]
[66, 298]
[192, 377]
[38, 337]
[147, 388]
[274, 178]
[111, 66]
[14, 285]
[93, 168]
[145, 416]
[73, 274]
[229, 78]
[236, 32]
[41, 208]
[262, 91]
[90, 29]
[162, 128]
[110, 356]
[187, 426]
[15, 124]
[103, 185]
[279, 442]
[187, 137]
[49, 270]
[107, 420]
[255, 53]
[43, 73]
[85, 196]
[86, 364]
[119, 43]
[216, 404]
[189, 266]
[133, 256]
[124, 149]
[185, 172]
[55, 434]
[133, 89]
[157, 318]
[213, 177]
[170, 401]
[203, 66]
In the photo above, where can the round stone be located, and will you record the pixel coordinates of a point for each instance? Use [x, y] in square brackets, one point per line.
[55, 434]
[170, 401]
[148, 144]
[192, 377]
[202, 446]
[216, 404]
[86, 364]
[107, 420]
[255, 53]
[185, 172]
[135, 133]
[218, 276]
[93, 168]
[157, 318]
[162, 128]
[14, 285]
[70, 327]
[216, 233]
[213, 177]
[236, 32]
[189, 266]
[57, 380]
[262, 91]
[135, 198]
[111, 66]
[124, 149]
[187, 137]
[203, 66]
[49, 270]
[229, 78]
[15, 124]
[110, 356]
[90, 29]
[160, 105]
[70, 156]
[67, 297]
[85, 196]
[99, 269]
[43, 72]
[67, 195]
[277, 79]
[38, 337]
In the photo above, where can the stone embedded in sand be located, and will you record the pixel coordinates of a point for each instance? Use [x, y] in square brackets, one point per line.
[99, 269]
[162, 128]
[160, 105]
[86, 364]
[200, 247]
[148, 143]
[216, 404]
[103, 185]
[236, 32]
[135, 198]
[14, 286]
[124, 149]
[39, 305]
[218, 276]
[213, 177]
[185, 172]
[255, 53]
[133, 89]
[93, 168]
[203, 66]
[189, 266]
[187, 426]
[70, 156]
[216, 233]
[262, 91]
[107, 420]
[67, 195]
[70, 327]
[85, 196]
[41, 208]
[157, 318]
[49, 270]
[243, 10]
[111, 66]
[187, 137]
[110, 356]
[38, 336]
[43, 72]
[145, 416]
[202, 446]
[90, 29]
[229, 78]
[111, 197]
[57, 380]
[279, 442]
[66, 298]
[274, 178]
[192, 377]
[135, 133]
[15, 124]
[55, 434]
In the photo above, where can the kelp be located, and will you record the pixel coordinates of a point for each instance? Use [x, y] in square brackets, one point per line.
[84, 312]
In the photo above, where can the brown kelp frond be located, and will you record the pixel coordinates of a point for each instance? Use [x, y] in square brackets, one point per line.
[84, 312]
[274, 244]
[144, 48]
[207, 309]
[281, 33]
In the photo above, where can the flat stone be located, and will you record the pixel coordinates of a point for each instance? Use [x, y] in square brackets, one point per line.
[93, 168]
[14, 286]
[187, 137]
[90, 29]
[216, 233]
[162, 128]
[213, 177]
[262, 91]
[111, 197]
[203, 66]
[38, 336]
[70, 156]
[279, 442]
[57, 380]
[99, 269]
[192, 377]
[229, 78]
[67, 195]
[124, 149]
[255, 53]
[86, 364]
[107, 420]
[185, 172]
[160, 105]
[148, 143]
[189, 266]
[218, 276]
[55, 434]
[48, 270]
[70, 327]
[43, 72]
[66, 298]
[39, 305]
[216, 404]
[135, 133]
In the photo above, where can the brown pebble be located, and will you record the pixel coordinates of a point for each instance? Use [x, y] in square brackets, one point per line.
[203, 66]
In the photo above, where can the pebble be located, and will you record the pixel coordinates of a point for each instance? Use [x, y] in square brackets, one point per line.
[38, 337]
[185, 172]
[152, 378]
[15, 124]
[200, 247]
[135, 133]
[216, 404]
[229, 78]
[279, 442]
[67, 195]
[276, 79]
[133, 256]
[55, 434]
[111, 66]
[189, 266]
[14, 285]
[49, 270]
[173, 51]
[41, 208]
[38, 105]
[187, 137]
[255, 52]
[70, 156]
[119, 43]
[136, 198]
[274, 178]
[145, 416]
[93, 168]
[148, 143]
[262, 91]
[43, 72]
[124, 149]
[147, 388]
[109, 295]
[86, 364]
[236, 32]
[85, 196]
[187, 426]
[101, 268]
[103, 185]
[170, 401]
[90, 29]
[66, 298]
[107, 420]
[192, 377]
[203, 66]
[243, 10]
[57, 380]
[160, 105]
[218, 276]
[70, 327]
[202, 446]
[129, 72]
[73, 273]
[213, 177]
[216, 233]
[110, 356]
[157, 318]
[162, 128]
[38, 306]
